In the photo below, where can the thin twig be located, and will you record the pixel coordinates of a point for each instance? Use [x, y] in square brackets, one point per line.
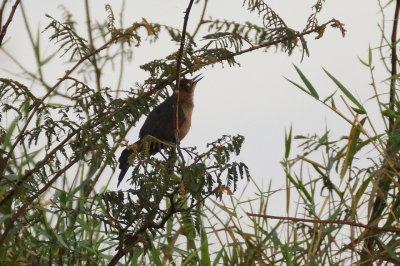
[317, 30]
[393, 72]
[122, 62]
[3, 6]
[97, 70]
[383, 38]
[34, 46]
[10, 17]
[179, 69]
[201, 21]
[295, 219]
[178, 79]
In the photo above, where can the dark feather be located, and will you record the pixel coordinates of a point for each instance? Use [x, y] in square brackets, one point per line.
[159, 124]
[123, 164]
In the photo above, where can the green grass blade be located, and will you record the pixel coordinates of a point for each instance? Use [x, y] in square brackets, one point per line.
[155, 254]
[9, 132]
[218, 257]
[205, 253]
[298, 86]
[308, 84]
[346, 92]
[288, 142]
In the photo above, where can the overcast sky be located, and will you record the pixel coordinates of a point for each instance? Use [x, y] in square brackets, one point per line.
[253, 100]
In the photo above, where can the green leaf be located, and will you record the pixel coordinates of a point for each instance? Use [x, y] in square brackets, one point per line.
[361, 191]
[369, 55]
[6, 140]
[394, 140]
[393, 77]
[358, 111]
[36, 45]
[205, 253]
[63, 197]
[363, 62]
[329, 97]
[298, 86]
[3, 218]
[390, 113]
[391, 252]
[155, 254]
[300, 187]
[308, 84]
[218, 257]
[61, 240]
[191, 256]
[12, 177]
[352, 147]
[288, 142]
[369, 63]
[347, 93]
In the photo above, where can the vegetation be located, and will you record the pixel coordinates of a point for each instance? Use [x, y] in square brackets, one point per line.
[58, 141]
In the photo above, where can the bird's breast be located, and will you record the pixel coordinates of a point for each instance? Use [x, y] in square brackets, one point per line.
[187, 122]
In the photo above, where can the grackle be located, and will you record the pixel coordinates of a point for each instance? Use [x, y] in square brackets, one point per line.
[160, 123]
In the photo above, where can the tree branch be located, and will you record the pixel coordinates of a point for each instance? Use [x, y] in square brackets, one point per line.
[393, 72]
[318, 29]
[201, 21]
[179, 69]
[10, 17]
[295, 219]
[97, 70]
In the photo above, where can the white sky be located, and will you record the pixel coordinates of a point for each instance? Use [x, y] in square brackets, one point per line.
[253, 100]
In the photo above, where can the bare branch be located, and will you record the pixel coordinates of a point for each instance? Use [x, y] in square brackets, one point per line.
[393, 63]
[10, 17]
[295, 219]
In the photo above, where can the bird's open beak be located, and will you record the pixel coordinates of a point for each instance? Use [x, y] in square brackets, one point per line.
[197, 78]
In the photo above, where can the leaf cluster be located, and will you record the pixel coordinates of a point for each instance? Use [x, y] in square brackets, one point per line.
[182, 186]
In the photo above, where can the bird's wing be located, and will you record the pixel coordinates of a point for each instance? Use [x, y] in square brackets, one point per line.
[160, 121]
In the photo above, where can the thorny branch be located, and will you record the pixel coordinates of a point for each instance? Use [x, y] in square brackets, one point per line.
[97, 70]
[179, 69]
[295, 219]
[318, 29]
[10, 17]
[201, 21]
[393, 72]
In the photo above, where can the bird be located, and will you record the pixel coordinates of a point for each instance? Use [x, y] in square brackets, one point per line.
[160, 123]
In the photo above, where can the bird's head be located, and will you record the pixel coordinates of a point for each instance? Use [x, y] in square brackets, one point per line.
[188, 85]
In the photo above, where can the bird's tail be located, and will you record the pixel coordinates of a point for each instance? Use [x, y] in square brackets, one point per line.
[123, 158]
[123, 163]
